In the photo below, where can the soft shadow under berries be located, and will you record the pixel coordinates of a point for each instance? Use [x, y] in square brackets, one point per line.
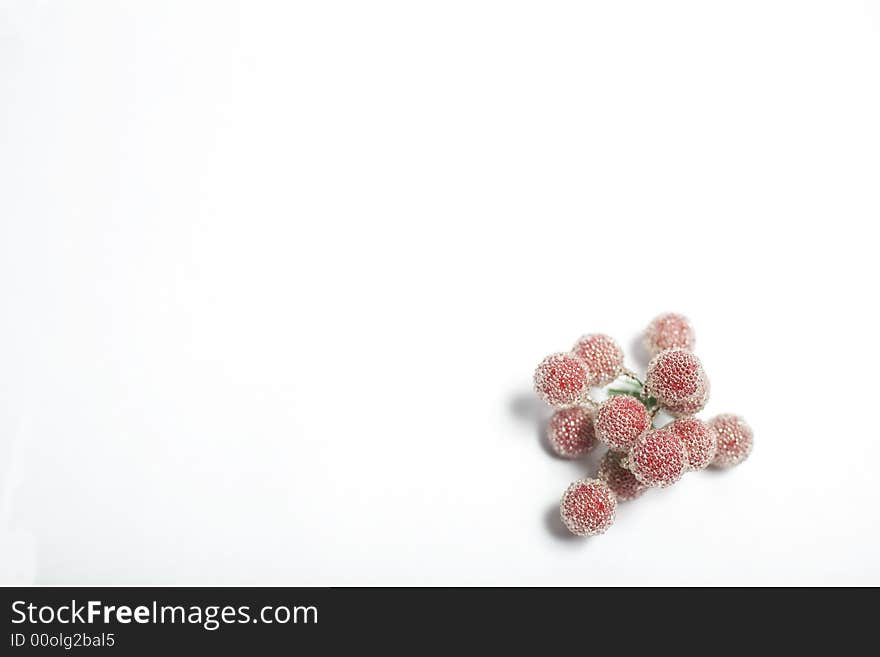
[553, 523]
[526, 407]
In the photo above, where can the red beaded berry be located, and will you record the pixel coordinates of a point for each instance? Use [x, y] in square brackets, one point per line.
[602, 355]
[675, 377]
[735, 440]
[561, 379]
[571, 433]
[620, 420]
[667, 331]
[691, 406]
[698, 439]
[621, 481]
[658, 458]
[588, 507]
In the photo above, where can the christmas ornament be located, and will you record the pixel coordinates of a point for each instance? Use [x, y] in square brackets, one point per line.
[641, 454]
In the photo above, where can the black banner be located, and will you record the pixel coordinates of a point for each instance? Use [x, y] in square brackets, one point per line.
[149, 621]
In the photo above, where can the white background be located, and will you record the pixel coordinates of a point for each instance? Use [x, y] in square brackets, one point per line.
[274, 279]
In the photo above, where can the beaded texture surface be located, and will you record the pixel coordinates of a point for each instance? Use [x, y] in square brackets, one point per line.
[620, 420]
[639, 456]
[734, 440]
[571, 432]
[621, 481]
[602, 355]
[588, 507]
[691, 406]
[561, 379]
[658, 458]
[667, 331]
[698, 439]
[676, 377]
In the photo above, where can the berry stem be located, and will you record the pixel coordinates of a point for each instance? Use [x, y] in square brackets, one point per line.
[638, 392]
[625, 391]
[654, 411]
[588, 403]
[632, 376]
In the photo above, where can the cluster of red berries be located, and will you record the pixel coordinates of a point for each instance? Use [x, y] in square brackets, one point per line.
[640, 455]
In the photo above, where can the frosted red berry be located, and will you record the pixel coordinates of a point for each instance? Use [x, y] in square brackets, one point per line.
[667, 331]
[690, 406]
[658, 458]
[698, 439]
[620, 420]
[621, 481]
[571, 433]
[676, 377]
[561, 379]
[734, 437]
[588, 507]
[602, 355]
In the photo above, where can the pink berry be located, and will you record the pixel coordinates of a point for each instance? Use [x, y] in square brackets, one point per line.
[561, 379]
[602, 355]
[621, 481]
[588, 507]
[571, 432]
[676, 377]
[735, 440]
[698, 439]
[667, 331]
[658, 458]
[691, 406]
[620, 420]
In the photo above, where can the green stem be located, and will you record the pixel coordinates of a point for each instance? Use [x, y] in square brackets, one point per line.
[638, 392]
[622, 391]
